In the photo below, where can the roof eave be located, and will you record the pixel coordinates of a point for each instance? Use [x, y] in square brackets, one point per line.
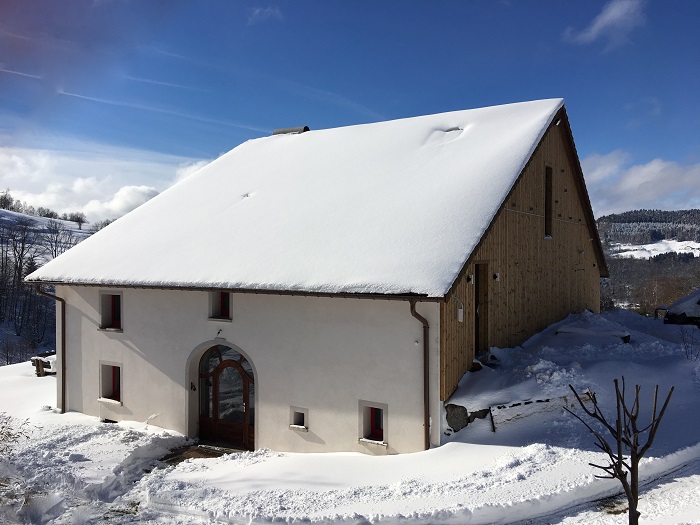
[258, 291]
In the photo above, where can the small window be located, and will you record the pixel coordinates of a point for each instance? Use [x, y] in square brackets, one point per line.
[373, 420]
[111, 311]
[111, 383]
[548, 202]
[220, 305]
[299, 419]
[376, 424]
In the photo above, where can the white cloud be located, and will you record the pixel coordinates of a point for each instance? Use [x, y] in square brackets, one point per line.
[123, 201]
[261, 14]
[599, 167]
[185, 171]
[101, 181]
[659, 184]
[84, 184]
[614, 23]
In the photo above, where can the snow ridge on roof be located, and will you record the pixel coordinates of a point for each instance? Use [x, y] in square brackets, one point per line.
[393, 207]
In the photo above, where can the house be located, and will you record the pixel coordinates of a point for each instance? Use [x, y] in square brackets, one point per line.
[685, 310]
[326, 290]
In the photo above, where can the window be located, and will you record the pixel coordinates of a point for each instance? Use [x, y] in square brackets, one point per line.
[111, 383]
[220, 305]
[111, 311]
[376, 424]
[299, 419]
[547, 201]
[373, 421]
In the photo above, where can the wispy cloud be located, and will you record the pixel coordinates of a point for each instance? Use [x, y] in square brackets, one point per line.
[155, 50]
[155, 109]
[322, 95]
[20, 73]
[161, 83]
[643, 112]
[262, 14]
[616, 186]
[11, 34]
[614, 23]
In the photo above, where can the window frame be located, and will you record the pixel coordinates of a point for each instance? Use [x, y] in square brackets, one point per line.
[294, 413]
[220, 306]
[376, 425]
[548, 201]
[111, 383]
[373, 423]
[111, 302]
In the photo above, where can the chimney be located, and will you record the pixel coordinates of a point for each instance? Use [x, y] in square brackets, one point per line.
[291, 131]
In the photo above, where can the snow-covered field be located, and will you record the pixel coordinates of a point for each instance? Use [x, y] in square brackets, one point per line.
[644, 251]
[533, 469]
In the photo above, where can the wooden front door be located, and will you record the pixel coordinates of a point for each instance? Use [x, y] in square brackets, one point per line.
[227, 398]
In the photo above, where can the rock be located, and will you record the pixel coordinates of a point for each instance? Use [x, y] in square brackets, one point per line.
[457, 416]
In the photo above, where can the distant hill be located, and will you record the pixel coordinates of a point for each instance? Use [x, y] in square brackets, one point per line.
[7, 216]
[649, 226]
[659, 279]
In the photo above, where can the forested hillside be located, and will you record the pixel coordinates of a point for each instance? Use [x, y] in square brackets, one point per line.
[648, 226]
[27, 319]
[656, 281]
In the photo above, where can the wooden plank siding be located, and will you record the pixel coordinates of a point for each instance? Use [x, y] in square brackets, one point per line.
[532, 281]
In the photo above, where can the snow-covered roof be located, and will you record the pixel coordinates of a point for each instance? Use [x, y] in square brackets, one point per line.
[688, 305]
[392, 207]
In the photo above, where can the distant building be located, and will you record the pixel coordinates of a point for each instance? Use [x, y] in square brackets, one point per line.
[326, 290]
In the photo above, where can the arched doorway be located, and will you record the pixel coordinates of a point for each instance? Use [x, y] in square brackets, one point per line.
[226, 398]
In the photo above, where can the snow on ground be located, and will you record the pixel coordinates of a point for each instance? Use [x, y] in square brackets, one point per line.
[644, 251]
[7, 217]
[532, 470]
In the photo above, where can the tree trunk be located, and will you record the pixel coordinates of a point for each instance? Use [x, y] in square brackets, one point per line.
[634, 489]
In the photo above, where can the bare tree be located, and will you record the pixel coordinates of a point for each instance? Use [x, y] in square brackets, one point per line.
[24, 240]
[6, 270]
[46, 212]
[57, 238]
[626, 436]
[78, 218]
[97, 226]
[6, 200]
[690, 341]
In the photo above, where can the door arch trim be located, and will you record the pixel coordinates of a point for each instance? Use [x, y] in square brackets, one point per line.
[192, 378]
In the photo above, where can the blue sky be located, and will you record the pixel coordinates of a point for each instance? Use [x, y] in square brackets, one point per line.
[105, 103]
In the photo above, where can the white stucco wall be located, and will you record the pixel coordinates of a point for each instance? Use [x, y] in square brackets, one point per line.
[325, 355]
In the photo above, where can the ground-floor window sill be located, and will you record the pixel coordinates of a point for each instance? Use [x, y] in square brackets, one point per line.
[367, 441]
[108, 401]
[298, 428]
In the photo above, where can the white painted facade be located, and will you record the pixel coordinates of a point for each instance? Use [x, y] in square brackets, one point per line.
[324, 355]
